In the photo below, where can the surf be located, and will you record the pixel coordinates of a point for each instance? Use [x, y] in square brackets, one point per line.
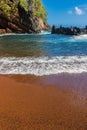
[43, 65]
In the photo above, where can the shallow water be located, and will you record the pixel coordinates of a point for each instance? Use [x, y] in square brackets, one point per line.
[42, 54]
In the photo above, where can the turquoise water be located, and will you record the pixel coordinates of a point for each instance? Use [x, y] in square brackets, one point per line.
[42, 54]
[42, 45]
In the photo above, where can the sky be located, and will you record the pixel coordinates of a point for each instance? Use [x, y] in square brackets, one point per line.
[66, 12]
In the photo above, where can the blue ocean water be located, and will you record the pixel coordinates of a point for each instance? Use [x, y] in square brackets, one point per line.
[42, 54]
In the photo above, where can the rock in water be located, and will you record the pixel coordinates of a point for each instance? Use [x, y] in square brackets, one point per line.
[69, 30]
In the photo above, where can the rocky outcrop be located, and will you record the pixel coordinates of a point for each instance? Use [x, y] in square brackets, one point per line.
[22, 21]
[69, 30]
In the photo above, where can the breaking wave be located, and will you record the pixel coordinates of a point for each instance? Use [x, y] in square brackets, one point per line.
[45, 32]
[78, 38]
[43, 65]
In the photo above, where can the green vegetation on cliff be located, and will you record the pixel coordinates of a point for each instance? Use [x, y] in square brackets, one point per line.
[39, 9]
[22, 16]
[9, 8]
[5, 8]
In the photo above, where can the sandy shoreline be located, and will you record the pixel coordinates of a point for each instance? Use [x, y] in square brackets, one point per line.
[38, 103]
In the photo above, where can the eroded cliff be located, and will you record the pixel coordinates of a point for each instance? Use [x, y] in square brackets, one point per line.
[22, 16]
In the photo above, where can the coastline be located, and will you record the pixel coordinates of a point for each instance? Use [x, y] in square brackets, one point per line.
[42, 32]
[34, 102]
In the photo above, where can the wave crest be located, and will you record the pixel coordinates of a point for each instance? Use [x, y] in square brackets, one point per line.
[43, 65]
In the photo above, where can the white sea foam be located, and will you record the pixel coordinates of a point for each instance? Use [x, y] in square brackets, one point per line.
[7, 34]
[43, 65]
[78, 38]
[45, 32]
[10, 34]
[81, 37]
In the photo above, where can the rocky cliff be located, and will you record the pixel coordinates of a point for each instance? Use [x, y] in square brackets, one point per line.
[22, 16]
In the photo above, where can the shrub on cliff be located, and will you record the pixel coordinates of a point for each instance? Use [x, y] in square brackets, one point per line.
[39, 9]
[10, 7]
[22, 16]
[5, 8]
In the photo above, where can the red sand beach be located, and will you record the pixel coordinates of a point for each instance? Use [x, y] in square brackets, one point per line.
[38, 103]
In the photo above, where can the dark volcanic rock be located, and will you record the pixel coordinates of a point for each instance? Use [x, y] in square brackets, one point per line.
[27, 20]
[69, 31]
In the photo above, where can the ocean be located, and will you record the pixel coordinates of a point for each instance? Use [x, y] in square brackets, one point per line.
[42, 54]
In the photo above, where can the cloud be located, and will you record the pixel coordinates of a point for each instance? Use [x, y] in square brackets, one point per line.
[70, 12]
[79, 11]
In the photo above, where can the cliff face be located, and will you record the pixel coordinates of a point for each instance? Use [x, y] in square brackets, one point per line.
[22, 16]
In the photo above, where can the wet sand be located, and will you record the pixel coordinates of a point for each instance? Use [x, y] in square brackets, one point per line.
[42, 103]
